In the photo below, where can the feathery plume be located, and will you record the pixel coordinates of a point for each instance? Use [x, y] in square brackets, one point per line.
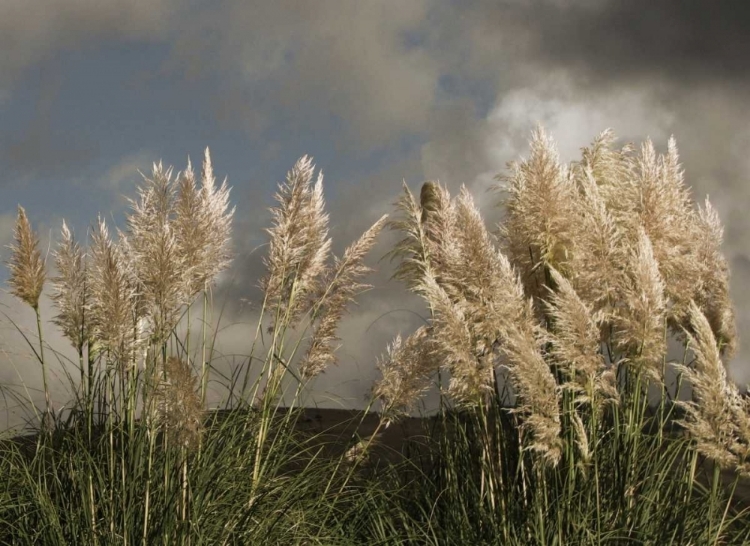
[536, 388]
[339, 290]
[711, 418]
[27, 271]
[540, 211]
[178, 405]
[740, 408]
[299, 244]
[479, 273]
[599, 251]
[218, 224]
[419, 222]
[537, 391]
[190, 230]
[69, 287]
[202, 228]
[581, 439]
[113, 303]
[471, 379]
[429, 200]
[610, 169]
[439, 224]
[712, 289]
[655, 199]
[27, 276]
[501, 320]
[640, 323]
[575, 342]
[152, 248]
[405, 372]
[479, 307]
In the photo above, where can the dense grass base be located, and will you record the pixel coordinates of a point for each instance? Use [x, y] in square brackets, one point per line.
[465, 482]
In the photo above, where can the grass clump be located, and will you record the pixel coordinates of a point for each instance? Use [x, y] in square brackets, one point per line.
[558, 406]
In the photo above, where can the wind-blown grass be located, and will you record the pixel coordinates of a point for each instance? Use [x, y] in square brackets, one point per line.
[551, 333]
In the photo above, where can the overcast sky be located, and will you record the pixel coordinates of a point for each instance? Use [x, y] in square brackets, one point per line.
[377, 92]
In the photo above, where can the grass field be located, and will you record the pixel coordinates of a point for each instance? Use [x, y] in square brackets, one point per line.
[546, 340]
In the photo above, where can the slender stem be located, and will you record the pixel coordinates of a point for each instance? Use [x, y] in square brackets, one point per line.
[184, 482]
[90, 390]
[204, 364]
[110, 427]
[151, 443]
[44, 367]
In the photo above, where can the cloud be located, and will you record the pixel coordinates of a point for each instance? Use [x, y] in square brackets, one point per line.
[609, 41]
[32, 32]
[350, 65]
[39, 149]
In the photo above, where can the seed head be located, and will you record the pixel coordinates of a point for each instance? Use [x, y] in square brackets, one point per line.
[70, 289]
[178, 404]
[299, 244]
[27, 270]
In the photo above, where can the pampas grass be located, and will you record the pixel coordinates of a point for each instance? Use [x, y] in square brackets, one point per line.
[551, 332]
[595, 264]
[26, 281]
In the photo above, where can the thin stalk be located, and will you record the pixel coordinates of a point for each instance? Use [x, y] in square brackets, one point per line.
[93, 507]
[90, 391]
[110, 427]
[80, 368]
[258, 331]
[204, 367]
[148, 402]
[726, 508]
[665, 390]
[44, 368]
[274, 378]
[714, 497]
[183, 456]
[148, 486]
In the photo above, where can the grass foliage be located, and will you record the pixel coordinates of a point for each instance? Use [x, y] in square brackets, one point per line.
[559, 419]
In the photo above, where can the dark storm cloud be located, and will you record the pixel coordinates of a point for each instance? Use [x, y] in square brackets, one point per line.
[685, 40]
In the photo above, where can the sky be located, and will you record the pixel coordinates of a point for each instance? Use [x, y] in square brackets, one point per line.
[378, 92]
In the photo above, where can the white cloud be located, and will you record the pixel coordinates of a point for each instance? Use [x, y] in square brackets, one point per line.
[572, 118]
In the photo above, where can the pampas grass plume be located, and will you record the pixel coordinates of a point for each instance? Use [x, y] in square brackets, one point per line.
[69, 289]
[27, 269]
[179, 410]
